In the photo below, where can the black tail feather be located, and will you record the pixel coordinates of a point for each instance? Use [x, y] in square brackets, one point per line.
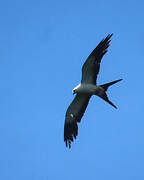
[105, 86]
[104, 97]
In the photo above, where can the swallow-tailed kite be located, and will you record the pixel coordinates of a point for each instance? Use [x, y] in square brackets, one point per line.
[85, 90]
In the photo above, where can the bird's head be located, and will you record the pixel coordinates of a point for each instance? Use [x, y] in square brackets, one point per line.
[74, 91]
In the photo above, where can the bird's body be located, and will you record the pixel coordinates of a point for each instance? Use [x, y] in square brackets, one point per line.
[88, 89]
[85, 90]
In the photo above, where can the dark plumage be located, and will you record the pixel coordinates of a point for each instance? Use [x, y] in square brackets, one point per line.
[85, 90]
[92, 63]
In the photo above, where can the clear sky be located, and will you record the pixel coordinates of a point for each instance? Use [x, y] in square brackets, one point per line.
[43, 46]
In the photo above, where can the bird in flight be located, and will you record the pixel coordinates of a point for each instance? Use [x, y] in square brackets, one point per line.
[85, 90]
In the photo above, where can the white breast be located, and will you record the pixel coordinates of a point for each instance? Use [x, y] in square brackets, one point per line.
[86, 88]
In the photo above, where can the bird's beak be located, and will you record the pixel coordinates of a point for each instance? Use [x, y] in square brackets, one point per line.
[73, 92]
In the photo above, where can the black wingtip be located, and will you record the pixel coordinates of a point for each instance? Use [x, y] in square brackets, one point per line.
[110, 35]
[68, 143]
[70, 132]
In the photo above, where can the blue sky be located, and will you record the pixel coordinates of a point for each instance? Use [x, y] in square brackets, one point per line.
[43, 46]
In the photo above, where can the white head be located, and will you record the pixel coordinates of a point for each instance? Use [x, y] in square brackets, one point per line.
[75, 90]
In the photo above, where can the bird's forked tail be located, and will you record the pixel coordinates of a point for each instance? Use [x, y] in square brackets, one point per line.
[105, 87]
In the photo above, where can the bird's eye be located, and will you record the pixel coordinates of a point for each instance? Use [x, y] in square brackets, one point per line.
[73, 92]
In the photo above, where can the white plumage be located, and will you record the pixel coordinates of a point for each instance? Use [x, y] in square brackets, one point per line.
[85, 90]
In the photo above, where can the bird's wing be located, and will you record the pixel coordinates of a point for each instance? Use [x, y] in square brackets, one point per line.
[91, 66]
[74, 114]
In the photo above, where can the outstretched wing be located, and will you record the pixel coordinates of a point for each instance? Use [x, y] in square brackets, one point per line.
[91, 66]
[74, 114]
